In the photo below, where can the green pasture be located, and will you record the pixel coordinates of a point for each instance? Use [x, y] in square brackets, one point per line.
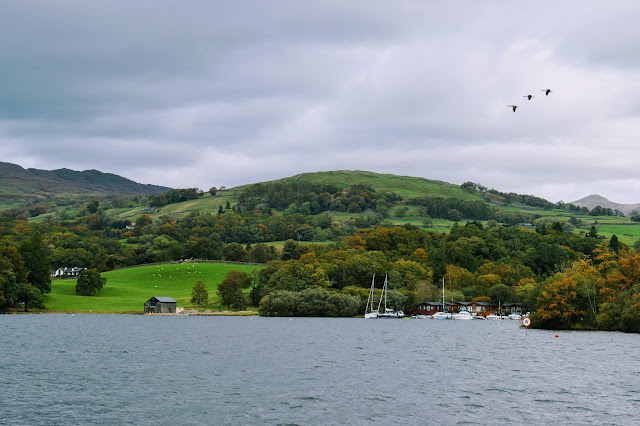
[10, 204]
[280, 244]
[127, 289]
[627, 233]
[202, 205]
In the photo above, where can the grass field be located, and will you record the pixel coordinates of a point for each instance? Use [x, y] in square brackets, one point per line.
[201, 205]
[127, 289]
[627, 233]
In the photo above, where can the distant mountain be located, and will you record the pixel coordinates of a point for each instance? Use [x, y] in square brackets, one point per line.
[19, 186]
[592, 201]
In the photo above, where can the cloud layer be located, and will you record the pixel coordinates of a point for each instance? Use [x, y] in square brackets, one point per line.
[210, 93]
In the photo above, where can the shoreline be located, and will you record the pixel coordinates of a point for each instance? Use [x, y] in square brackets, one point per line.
[190, 312]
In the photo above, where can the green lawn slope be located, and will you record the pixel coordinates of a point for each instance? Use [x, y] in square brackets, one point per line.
[127, 289]
[203, 205]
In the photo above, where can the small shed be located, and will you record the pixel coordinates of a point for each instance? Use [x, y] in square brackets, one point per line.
[160, 305]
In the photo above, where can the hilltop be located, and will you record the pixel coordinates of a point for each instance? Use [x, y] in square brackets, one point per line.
[19, 186]
[407, 186]
[595, 200]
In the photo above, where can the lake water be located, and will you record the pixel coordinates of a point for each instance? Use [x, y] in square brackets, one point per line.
[134, 369]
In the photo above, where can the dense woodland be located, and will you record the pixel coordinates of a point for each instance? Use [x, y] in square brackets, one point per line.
[566, 280]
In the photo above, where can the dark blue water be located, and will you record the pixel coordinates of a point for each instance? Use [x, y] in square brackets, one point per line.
[109, 369]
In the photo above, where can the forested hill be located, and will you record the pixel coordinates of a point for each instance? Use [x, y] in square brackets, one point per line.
[406, 186]
[411, 189]
[19, 186]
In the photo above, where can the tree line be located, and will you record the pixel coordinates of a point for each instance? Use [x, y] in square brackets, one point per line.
[594, 278]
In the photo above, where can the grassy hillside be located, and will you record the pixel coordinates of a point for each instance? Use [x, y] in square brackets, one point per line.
[203, 205]
[127, 289]
[406, 186]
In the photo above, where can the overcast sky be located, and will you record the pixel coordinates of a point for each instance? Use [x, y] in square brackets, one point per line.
[209, 93]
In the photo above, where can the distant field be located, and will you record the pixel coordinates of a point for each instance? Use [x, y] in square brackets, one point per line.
[626, 233]
[6, 205]
[127, 289]
[201, 205]
[280, 244]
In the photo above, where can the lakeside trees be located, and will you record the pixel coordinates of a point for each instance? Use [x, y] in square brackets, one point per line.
[230, 289]
[480, 262]
[598, 292]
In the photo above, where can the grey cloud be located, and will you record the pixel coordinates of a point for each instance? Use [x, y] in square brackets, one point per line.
[202, 93]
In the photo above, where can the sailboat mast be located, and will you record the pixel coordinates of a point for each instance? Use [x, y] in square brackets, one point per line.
[442, 294]
[385, 293]
[373, 281]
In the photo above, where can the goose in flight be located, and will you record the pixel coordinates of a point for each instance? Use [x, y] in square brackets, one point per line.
[528, 96]
[547, 91]
[513, 107]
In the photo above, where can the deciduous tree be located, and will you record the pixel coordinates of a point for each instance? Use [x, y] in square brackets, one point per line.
[230, 289]
[30, 296]
[89, 282]
[234, 252]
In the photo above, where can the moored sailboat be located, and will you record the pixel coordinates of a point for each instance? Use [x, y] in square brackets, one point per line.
[442, 314]
[369, 311]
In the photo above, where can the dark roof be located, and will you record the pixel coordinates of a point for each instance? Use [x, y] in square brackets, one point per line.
[438, 303]
[482, 303]
[163, 299]
[511, 304]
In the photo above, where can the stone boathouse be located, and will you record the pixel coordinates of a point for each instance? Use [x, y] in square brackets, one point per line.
[160, 305]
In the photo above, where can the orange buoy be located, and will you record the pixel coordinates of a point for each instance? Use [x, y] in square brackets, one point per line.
[557, 335]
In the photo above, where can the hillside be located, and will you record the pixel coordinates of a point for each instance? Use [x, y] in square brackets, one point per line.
[592, 201]
[19, 186]
[407, 186]
[512, 207]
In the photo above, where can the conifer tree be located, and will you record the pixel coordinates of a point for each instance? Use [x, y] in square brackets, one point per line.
[36, 259]
[199, 294]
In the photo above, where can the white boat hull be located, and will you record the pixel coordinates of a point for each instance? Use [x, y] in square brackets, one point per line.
[463, 315]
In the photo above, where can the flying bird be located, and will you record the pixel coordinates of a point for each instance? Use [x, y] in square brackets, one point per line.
[513, 106]
[528, 96]
[547, 91]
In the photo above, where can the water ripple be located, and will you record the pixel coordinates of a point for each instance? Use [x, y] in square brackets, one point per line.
[108, 369]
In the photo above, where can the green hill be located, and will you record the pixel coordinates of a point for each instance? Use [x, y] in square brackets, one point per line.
[84, 184]
[19, 186]
[406, 186]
